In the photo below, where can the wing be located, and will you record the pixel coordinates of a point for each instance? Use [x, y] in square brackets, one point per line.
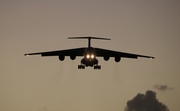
[103, 52]
[67, 52]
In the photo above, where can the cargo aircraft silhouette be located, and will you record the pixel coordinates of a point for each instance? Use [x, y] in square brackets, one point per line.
[89, 54]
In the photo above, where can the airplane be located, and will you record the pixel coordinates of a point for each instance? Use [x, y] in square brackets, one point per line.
[89, 54]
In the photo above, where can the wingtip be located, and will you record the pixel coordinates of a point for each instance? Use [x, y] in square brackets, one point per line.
[152, 58]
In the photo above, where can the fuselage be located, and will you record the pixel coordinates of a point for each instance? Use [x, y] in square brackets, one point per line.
[89, 57]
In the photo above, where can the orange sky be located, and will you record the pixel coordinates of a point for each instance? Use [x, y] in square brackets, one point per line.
[46, 84]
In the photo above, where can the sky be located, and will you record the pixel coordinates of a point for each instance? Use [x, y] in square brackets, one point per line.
[148, 27]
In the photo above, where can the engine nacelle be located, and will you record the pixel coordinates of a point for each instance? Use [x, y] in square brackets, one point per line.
[61, 57]
[106, 58]
[73, 57]
[117, 58]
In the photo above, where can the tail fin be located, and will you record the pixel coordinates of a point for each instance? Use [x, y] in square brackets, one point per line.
[89, 39]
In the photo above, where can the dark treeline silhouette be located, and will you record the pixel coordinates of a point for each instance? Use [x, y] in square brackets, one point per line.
[145, 102]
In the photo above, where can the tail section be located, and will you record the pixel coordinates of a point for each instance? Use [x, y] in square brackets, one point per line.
[89, 39]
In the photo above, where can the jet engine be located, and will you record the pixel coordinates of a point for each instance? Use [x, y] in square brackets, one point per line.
[73, 57]
[117, 58]
[106, 58]
[61, 57]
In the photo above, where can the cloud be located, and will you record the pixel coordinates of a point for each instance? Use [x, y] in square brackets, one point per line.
[145, 102]
[162, 87]
[44, 108]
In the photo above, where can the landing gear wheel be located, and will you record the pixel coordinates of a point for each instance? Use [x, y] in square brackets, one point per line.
[97, 67]
[81, 67]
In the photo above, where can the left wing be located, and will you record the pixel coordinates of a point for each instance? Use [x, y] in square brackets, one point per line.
[103, 52]
[67, 52]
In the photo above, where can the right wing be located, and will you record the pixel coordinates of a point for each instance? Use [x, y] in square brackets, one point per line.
[67, 52]
[103, 52]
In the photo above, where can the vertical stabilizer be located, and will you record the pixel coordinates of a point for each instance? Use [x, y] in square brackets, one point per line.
[89, 39]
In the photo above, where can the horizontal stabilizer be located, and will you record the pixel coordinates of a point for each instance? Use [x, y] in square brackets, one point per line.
[89, 38]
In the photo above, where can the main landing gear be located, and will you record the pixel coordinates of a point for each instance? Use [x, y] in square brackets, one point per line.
[97, 67]
[83, 67]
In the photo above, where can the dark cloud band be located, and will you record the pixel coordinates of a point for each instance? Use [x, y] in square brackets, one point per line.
[162, 87]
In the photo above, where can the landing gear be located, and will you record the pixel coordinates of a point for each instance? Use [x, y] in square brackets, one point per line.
[89, 63]
[97, 67]
[81, 67]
